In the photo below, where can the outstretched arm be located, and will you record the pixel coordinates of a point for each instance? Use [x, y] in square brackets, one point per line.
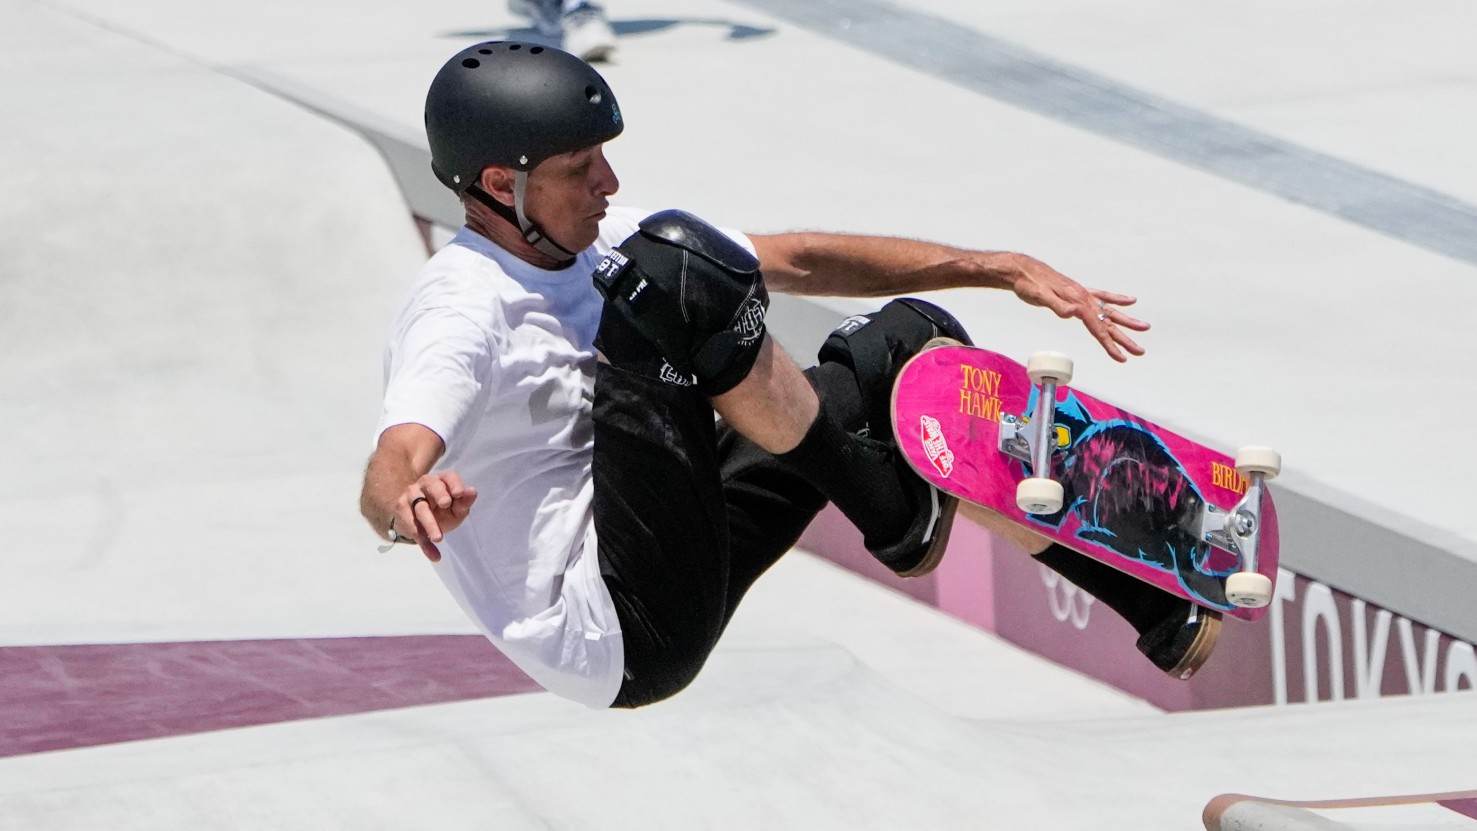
[864, 266]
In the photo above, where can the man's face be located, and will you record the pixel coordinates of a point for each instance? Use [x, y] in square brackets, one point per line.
[568, 194]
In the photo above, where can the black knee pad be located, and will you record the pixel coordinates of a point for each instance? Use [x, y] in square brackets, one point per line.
[898, 329]
[875, 346]
[693, 292]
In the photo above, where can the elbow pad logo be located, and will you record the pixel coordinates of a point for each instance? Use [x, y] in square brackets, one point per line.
[636, 292]
[851, 324]
[750, 322]
[611, 267]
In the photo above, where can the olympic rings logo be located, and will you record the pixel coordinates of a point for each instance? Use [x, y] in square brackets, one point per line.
[1067, 602]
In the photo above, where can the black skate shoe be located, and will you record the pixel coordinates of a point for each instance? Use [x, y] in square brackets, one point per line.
[1181, 642]
[1175, 634]
[875, 346]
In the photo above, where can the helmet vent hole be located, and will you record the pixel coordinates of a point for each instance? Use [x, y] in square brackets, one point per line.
[592, 94]
[515, 47]
[484, 51]
[537, 49]
[471, 63]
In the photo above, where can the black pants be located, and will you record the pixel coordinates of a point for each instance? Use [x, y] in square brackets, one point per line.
[688, 514]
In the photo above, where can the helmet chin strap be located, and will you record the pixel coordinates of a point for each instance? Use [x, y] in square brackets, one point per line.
[532, 233]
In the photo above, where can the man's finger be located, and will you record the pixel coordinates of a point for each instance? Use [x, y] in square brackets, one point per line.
[1114, 297]
[436, 491]
[427, 520]
[431, 551]
[463, 505]
[1126, 342]
[1122, 319]
[1100, 331]
[454, 483]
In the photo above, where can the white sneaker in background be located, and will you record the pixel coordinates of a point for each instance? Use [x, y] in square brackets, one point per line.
[588, 34]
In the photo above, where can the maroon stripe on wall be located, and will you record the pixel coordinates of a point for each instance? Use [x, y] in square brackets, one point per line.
[56, 697]
[1465, 807]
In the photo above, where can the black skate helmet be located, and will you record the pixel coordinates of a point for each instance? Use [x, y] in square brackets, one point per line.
[514, 104]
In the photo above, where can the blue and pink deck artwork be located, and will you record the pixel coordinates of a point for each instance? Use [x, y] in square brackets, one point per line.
[1131, 486]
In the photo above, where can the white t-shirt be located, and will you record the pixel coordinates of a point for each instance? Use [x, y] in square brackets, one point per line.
[495, 355]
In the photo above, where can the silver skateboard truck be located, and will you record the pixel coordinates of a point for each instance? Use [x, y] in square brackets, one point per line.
[1038, 493]
[1237, 530]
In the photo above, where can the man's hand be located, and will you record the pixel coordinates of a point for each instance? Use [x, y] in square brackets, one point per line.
[431, 507]
[1041, 285]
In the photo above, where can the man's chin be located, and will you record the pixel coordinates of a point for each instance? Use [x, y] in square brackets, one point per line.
[584, 236]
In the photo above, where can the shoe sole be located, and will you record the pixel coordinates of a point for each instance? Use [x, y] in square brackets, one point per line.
[948, 503]
[1200, 648]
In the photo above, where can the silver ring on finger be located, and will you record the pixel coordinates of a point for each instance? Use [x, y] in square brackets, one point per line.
[1103, 315]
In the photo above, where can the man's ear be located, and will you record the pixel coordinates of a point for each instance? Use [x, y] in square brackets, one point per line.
[498, 182]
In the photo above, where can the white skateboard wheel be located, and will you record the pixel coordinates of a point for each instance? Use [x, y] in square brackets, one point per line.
[1049, 365]
[1039, 496]
[1248, 589]
[1256, 459]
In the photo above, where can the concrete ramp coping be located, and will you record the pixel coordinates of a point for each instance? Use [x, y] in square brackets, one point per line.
[1239, 812]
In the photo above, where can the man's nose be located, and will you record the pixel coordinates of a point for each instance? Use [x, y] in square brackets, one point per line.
[606, 182]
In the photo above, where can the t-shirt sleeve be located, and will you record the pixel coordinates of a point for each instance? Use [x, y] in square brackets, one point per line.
[435, 370]
[741, 238]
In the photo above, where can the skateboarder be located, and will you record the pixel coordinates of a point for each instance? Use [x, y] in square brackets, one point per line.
[548, 434]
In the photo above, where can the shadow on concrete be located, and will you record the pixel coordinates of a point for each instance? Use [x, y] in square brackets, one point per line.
[623, 28]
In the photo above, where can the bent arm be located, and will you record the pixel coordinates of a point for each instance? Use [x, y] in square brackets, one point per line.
[405, 453]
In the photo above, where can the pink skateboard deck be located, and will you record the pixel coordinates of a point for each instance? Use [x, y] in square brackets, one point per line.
[1132, 489]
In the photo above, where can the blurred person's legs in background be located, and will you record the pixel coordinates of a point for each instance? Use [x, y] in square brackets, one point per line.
[579, 25]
